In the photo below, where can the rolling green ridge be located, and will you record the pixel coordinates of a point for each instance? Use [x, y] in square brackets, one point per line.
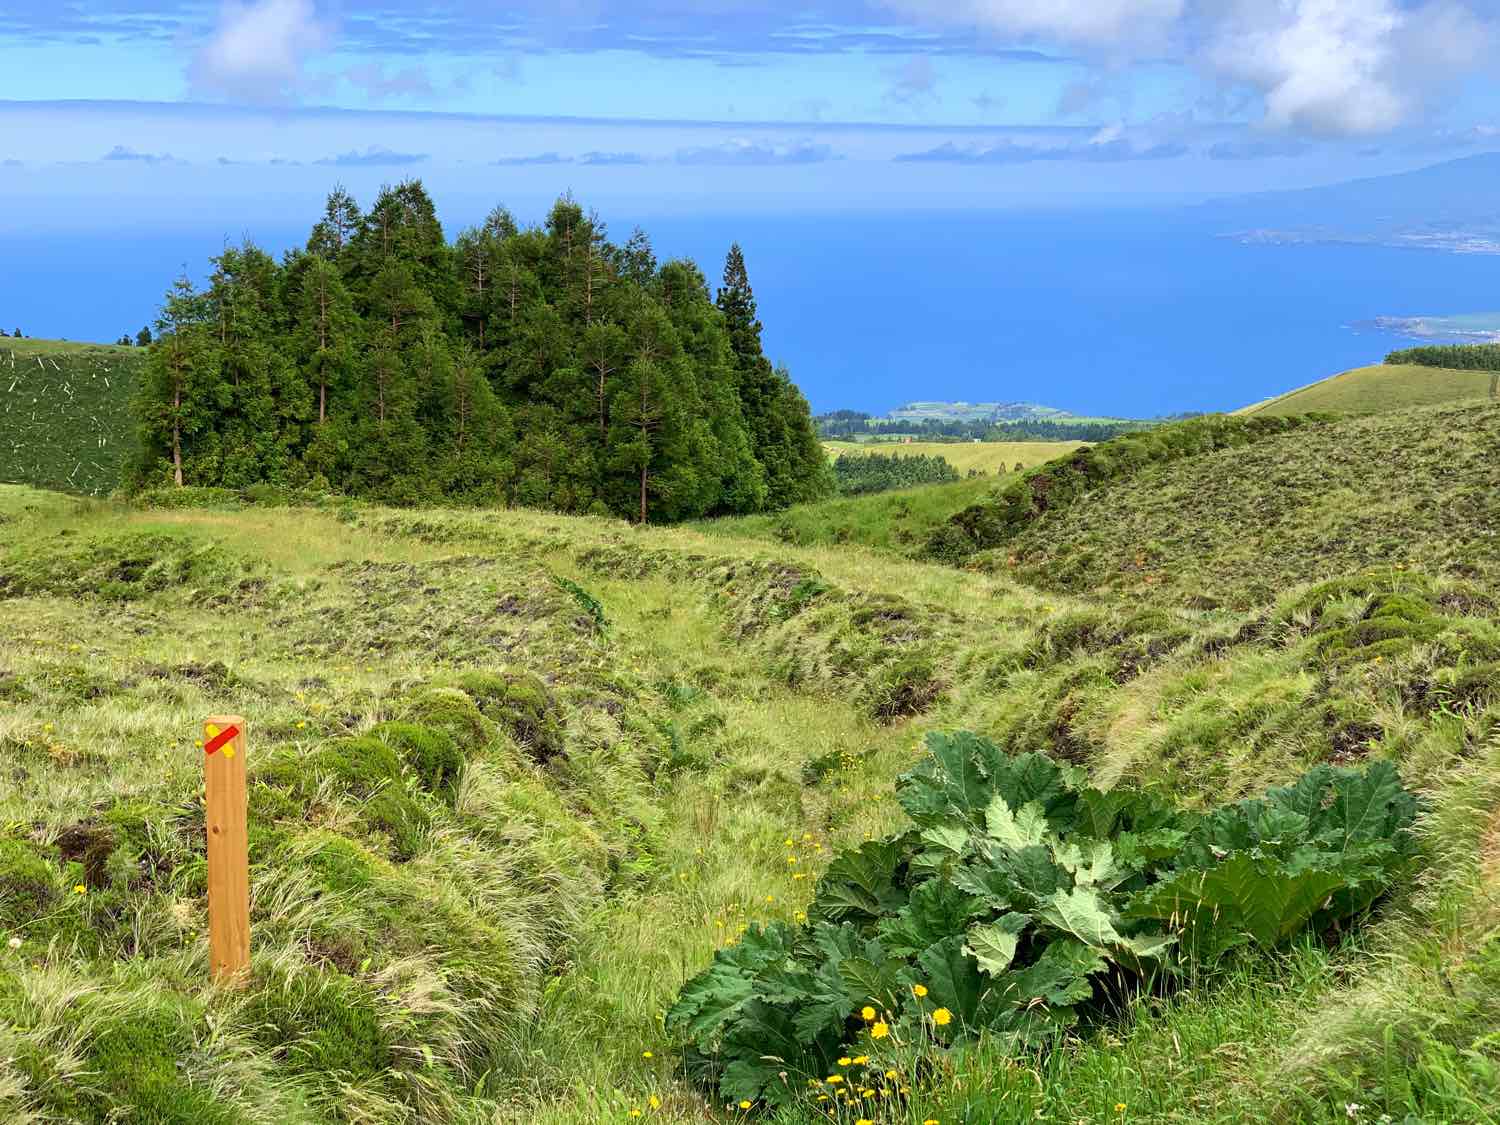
[1234, 526]
[517, 778]
[65, 418]
[1380, 387]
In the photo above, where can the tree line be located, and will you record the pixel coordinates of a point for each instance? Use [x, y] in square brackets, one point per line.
[852, 424]
[1457, 357]
[546, 367]
[861, 473]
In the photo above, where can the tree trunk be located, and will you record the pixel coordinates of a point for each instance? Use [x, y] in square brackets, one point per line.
[322, 402]
[177, 434]
[643, 494]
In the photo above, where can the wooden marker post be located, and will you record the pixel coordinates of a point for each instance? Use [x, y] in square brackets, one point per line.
[227, 818]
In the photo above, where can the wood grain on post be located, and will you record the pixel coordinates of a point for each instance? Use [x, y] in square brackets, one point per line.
[227, 818]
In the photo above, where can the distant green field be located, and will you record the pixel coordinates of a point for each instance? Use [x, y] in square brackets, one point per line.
[1381, 387]
[65, 414]
[986, 456]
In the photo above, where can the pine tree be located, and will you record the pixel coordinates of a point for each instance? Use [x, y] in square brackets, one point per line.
[173, 404]
[143, 337]
[782, 434]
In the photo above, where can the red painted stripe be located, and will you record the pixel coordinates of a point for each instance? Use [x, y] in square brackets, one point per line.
[220, 740]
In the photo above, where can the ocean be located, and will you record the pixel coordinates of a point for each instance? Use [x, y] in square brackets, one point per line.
[1134, 313]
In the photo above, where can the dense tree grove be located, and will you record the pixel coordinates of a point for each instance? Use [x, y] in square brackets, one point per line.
[861, 473]
[1455, 357]
[545, 367]
[852, 424]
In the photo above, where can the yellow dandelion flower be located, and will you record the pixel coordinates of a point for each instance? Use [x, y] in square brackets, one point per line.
[635, 1111]
[892, 1074]
[1119, 1107]
[868, 1013]
[834, 1079]
[942, 1017]
[654, 1102]
[919, 990]
[744, 1105]
[864, 1121]
[647, 1055]
[80, 890]
[860, 1060]
[845, 1061]
[879, 1030]
[932, 1121]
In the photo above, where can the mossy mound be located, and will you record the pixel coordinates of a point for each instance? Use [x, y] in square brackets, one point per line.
[29, 885]
[432, 756]
[364, 768]
[520, 703]
[450, 710]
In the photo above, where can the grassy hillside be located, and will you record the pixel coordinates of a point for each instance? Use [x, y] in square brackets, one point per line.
[1418, 488]
[1370, 390]
[517, 777]
[65, 413]
[899, 521]
[985, 456]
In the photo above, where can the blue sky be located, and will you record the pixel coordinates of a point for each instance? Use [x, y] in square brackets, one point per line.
[209, 121]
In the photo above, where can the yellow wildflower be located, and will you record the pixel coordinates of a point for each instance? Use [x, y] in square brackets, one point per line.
[868, 1013]
[942, 1017]
[860, 1060]
[654, 1102]
[744, 1105]
[834, 1079]
[80, 889]
[919, 990]
[635, 1111]
[646, 1055]
[1119, 1107]
[879, 1030]
[845, 1061]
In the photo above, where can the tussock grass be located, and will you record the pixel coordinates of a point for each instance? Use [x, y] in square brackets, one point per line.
[496, 937]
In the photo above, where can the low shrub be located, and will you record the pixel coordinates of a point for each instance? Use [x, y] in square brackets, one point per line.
[1018, 903]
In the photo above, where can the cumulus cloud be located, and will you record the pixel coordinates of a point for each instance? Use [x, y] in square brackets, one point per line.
[1110, 145]
[1324, 67]
[259, 50]
[375, 156]
[1346, 67]
[738, 150]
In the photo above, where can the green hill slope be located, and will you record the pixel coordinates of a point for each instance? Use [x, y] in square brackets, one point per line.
[1236, 526]
[1382, 386]
[65, 414]
[517, 777]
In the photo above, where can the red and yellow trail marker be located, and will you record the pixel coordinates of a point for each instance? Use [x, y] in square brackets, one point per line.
[227, 826]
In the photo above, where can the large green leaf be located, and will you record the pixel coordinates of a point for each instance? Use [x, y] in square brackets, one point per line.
[860, 885]
[954, 783]
[952, 978]
[1060, 976]
[1081, 913]
[936, 910]
[994, 945]
[1244, 893]
[715, 995]
[1016, 830]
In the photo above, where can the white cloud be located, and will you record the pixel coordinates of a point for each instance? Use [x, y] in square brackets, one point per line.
[259, 50]
[1334, 67]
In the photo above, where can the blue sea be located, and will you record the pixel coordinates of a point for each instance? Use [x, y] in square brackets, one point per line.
[1135, 313]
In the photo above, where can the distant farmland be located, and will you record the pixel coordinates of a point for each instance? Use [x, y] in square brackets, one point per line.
[986, 456]
[65, 414]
